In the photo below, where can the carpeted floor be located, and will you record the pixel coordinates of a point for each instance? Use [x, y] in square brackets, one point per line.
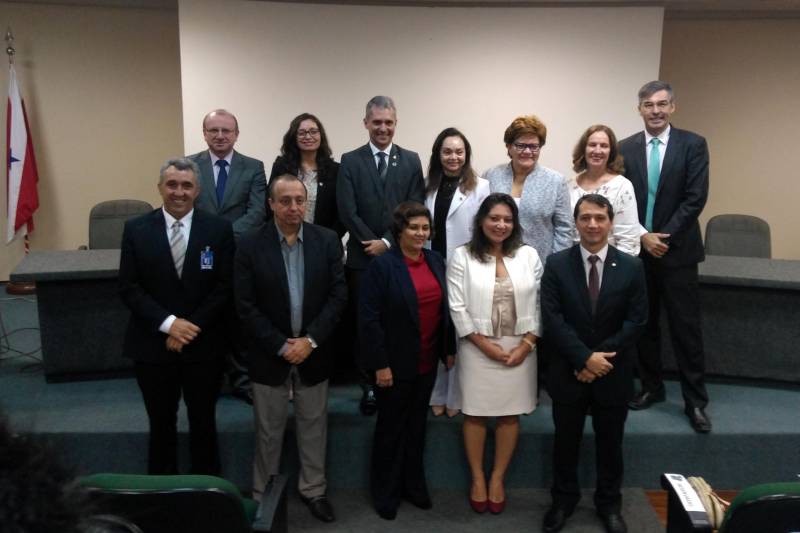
[451, 513]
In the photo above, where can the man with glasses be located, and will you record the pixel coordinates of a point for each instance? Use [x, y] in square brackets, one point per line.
[373, 180]
[669, 171]
[232, 186]
[290, 292]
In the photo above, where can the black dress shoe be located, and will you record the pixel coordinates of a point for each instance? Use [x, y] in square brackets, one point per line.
[387, 513]
[421, 500]
[645, 399]
[613, 522]
[698, 419]
[321, 508]
[246, 395]
[555, 518]
[368, 404]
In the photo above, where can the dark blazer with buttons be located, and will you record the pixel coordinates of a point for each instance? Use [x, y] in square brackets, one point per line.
[681, 195]
[151, 289]
[574, 333]
[388, 315]
[366, 202]
[262, 300]
[325, 212]
[244, 196]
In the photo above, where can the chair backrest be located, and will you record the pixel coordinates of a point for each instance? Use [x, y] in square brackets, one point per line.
[170, 504]
[768, 508]
[107, 219]
[738, 235]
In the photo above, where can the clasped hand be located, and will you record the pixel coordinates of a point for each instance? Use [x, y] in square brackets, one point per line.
[513, 358]
[297, 350]
[181, 333]
[597, 366]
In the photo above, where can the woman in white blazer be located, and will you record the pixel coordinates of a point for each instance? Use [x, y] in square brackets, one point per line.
[453, 194]
[493, 286]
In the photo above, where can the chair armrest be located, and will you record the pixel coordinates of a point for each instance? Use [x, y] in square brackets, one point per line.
[272, 514]
[685, 511]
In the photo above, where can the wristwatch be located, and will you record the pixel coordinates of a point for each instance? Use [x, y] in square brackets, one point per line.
[311, 341]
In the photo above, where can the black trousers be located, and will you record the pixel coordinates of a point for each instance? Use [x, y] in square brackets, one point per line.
[398, 448]
[609, 427]
[236, 362]
[678, 288]
[365, 380]
[162, 387]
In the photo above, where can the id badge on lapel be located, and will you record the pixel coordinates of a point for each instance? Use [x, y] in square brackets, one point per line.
[207, 259]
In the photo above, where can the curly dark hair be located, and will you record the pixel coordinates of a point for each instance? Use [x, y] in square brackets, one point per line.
[290, 150]
[479, 246]
[403, 214]
[38, 495]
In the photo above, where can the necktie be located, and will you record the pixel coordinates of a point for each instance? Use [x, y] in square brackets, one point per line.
[594, 282]
[177, 245]
[653, 175]
[222, 177]
[382, 165]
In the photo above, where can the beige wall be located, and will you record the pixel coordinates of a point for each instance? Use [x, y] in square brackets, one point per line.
[104, 99]
[473, 68]
[102, 89]
[737, 82]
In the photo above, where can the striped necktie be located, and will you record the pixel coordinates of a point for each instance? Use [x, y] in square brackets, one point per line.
[177, 245]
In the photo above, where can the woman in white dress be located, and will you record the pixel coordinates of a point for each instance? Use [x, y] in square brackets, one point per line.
[493, 285]
[599, 164]
[453, 194]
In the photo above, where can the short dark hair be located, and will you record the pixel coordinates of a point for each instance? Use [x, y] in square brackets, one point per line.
[469, 178]
[614, 164]
[479, 245]
[290, 150]
[596, 199]
[284, 177]
[403, 214]
[652, 87]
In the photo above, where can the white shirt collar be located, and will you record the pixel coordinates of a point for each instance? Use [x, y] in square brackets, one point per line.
[170, 220]
[601, 254]
[214, 158]
[375, 149]
[663, 136]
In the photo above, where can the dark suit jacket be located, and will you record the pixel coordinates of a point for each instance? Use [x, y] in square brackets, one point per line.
[244, 197]
[681, 195]
[325, 213]
[152, 290]
[262, 300]
[573, 333]
[388, 315]
[365, 205]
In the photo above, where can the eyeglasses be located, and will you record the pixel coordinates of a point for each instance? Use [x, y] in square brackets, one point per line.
[307, 133]
[220, 131]
[287, 202]
[521, 147]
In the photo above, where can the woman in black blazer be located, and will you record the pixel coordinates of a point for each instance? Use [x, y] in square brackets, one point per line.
[305, 153]
[404, 330]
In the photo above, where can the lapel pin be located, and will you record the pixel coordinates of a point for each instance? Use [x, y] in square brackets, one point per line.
[613, 264]
[394, 164]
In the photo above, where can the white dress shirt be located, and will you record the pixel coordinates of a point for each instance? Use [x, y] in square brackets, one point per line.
[214, 165]
[587, 266]
[186, 230]
[662, 146]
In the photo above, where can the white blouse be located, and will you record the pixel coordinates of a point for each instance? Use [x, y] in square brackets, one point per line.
[626, 230]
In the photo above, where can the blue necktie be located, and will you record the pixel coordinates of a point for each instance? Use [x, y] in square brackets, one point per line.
[653, 175]
[222, 177]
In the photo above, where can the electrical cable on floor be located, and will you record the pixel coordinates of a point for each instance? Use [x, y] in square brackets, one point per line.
[5, 342]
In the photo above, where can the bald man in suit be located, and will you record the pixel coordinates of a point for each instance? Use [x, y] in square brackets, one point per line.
[232, 186]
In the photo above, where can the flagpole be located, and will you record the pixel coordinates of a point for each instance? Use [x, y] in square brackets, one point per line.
[17, 287]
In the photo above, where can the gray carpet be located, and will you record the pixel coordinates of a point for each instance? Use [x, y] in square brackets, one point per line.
[451, 513]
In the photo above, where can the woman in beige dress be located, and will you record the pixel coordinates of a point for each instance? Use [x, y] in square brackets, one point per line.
[493, 286]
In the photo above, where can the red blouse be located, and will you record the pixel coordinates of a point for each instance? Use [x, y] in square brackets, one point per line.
[429, 306]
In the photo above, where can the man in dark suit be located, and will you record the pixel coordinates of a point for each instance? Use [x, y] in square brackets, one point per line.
[669, 171]
[175, 276]
[290, 292]
[372, 181]
[594, 307]
[232, 186]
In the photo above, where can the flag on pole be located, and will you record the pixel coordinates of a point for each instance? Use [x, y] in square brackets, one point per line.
[23, 198]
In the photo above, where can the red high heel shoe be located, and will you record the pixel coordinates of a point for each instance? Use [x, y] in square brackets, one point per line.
[479, 507]
[496, 507]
